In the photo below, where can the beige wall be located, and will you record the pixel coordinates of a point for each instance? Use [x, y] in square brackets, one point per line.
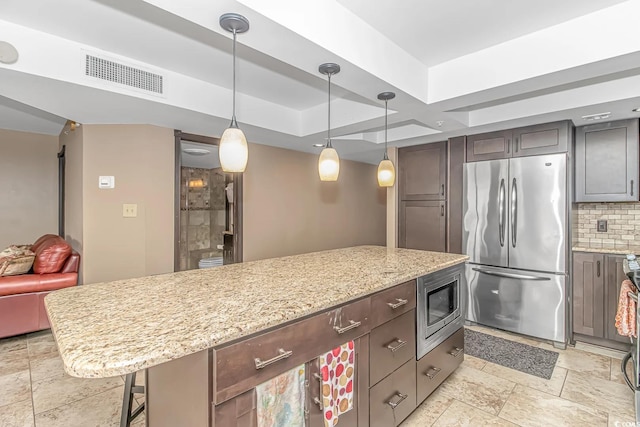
[287, 210]
[73, 188]
[29, 186]
[392, 203]
[142, 160]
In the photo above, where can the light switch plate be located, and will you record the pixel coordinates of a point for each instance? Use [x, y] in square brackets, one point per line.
[106, 182]
[602, 226]
[129, 210]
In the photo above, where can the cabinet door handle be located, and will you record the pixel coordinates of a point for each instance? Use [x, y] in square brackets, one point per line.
[318, 399]
[516, 145]
[395, 348]
[282, 355]
[442, 192]
[508, 145]
[398, 304]
[441, 210]
[399, 401]
[632, 187]
[352, 325]
[432, 373]
[598, 268]
[457, 351]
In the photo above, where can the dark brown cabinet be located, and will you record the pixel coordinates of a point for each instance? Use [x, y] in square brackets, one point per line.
[489, 146]
[359, 415]
[588, 294]
[430, 193]
[423, 172]
[422, 225]
[597, 279]
[613, 282]
[547, 138]
[606, 162]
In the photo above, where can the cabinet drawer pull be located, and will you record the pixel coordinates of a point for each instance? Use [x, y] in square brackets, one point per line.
[456, 352]
[282, 355]
[318, 399]
[432, 373]
[395, 348]
[400, 303]
[401, 398]
[352, 325]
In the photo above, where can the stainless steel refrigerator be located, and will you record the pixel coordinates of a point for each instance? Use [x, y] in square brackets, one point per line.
[515, 233]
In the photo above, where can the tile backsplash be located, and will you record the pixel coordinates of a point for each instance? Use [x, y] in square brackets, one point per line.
[623, 225]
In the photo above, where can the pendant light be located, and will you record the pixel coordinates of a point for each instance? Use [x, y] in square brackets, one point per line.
[329, 162]
[386, 171]
[233, 150]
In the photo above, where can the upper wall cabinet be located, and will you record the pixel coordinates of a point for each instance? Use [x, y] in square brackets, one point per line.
[547, 138]
[489, 146]
[423, 172]
[607, 162]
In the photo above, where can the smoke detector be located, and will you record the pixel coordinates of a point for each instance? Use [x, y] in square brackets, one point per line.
[8, 53]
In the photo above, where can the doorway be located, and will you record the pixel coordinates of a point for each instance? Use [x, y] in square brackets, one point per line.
[208, 206]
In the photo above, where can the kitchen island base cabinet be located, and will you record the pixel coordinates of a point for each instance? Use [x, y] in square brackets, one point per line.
[394, 398]
[359, 415]
[434, 367]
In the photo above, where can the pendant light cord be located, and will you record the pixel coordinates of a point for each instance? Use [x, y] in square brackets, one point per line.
[329, 115]
[386, 101]
[234, 124]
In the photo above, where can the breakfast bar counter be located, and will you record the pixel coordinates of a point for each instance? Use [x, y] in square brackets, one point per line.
[120, 327]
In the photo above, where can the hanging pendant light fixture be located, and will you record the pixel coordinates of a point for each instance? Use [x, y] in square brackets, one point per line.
[233, 150]
[386, 171]
[329, 162]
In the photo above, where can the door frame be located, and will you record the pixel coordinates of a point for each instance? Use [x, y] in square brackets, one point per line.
[237, 197]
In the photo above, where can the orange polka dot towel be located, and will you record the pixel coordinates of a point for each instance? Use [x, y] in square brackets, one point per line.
[337, 369]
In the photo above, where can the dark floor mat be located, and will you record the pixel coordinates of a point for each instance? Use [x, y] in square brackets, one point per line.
[514, 355]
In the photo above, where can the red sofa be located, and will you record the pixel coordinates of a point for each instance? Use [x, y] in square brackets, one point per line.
[22, 297]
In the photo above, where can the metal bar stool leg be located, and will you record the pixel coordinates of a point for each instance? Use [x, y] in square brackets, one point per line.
[130, 388]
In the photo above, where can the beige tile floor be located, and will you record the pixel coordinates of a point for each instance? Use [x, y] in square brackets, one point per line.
[586, 388]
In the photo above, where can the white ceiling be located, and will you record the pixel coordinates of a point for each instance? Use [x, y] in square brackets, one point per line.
[474, 66]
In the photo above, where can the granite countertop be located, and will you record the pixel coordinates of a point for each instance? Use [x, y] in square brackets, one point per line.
[616, 251]
[116, 328]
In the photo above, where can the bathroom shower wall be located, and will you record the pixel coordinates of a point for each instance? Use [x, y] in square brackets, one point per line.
[202, 215]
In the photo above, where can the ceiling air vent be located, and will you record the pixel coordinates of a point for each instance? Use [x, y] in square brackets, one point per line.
[110, 71]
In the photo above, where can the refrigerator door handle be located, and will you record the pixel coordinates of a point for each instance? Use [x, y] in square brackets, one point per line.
[502, 211]
[510, 275]
[514, 212]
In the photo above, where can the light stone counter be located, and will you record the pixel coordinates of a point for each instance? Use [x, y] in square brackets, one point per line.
[615, 251]
[115, 328]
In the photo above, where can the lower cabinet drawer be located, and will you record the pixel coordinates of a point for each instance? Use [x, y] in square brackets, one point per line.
[438, 364]
[393, 398]
[241, 366]
[392, 344]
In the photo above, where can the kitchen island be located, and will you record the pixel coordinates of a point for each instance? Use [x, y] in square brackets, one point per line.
[191, 328]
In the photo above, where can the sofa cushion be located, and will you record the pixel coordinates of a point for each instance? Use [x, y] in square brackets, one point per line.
[14, 261]
[51, 254]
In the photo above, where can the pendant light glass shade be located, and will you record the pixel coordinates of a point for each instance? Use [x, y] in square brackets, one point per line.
[233, 150]
[386, 170]
[386, 173]
[329, 164]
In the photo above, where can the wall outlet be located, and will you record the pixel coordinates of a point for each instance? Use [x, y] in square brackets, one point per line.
[129, 210]
[602, 226]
